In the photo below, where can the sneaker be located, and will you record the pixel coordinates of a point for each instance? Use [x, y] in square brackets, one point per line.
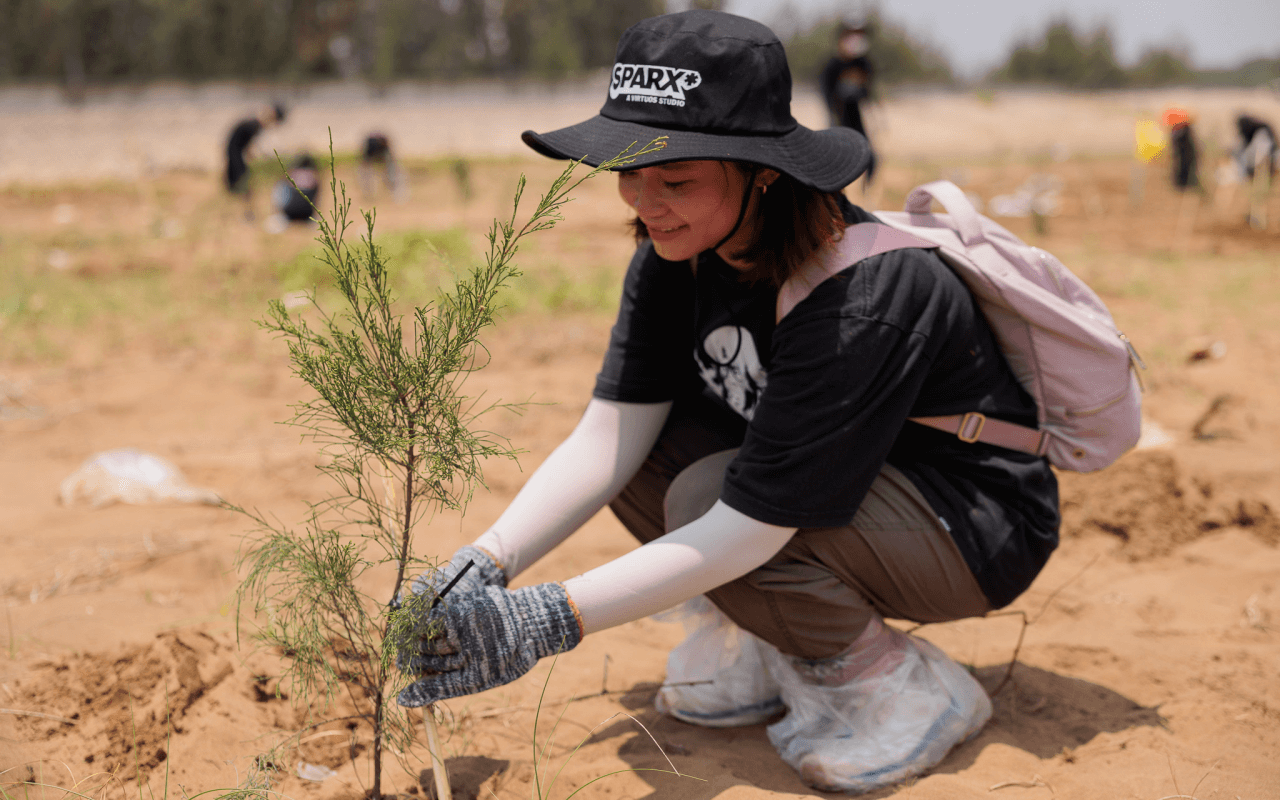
[890, 709]
[716, 677]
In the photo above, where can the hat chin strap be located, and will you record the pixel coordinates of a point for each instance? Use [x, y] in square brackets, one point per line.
[742, 210]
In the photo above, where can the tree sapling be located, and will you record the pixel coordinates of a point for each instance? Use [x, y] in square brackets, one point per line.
[400, 441]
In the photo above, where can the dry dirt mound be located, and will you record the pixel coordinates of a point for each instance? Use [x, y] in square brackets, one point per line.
[119, 713]
[188, 708]
[1154, 506]
[124, 705]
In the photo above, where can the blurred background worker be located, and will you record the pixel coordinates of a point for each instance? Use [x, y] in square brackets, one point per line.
[1185, 152]
[845, 81]
[1256, 157]
[294, 197]
[1257, 145]
[376, 159]
[238, 143]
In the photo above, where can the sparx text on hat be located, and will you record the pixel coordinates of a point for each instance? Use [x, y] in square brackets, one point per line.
[646, 83]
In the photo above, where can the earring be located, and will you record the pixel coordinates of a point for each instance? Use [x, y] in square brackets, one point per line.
[764, 188]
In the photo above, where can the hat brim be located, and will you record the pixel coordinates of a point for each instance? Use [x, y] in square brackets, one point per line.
[827, 160]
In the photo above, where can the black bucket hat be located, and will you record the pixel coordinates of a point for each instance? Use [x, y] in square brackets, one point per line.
[718, 86]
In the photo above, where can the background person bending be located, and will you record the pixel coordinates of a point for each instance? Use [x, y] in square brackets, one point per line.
[1257, 145]
[236, 175]
[1257, 156]
[378, 164]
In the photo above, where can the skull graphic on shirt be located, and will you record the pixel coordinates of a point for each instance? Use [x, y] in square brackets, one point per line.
[730, 365]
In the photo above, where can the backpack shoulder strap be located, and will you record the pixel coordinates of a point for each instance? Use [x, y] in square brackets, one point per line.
[977, 427]
[866, 239]
[964, 217]
[858, 242]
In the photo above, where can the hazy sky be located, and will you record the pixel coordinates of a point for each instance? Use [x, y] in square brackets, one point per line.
[977, 34]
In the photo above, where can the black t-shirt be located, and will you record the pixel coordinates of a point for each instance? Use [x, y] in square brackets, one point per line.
[845, 83]
[241, 135]
[827, 392]
[1184, 157]
[376, 148]
[296, 200]
[1249, 128]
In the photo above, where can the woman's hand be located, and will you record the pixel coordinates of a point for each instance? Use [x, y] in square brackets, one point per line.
[487, 638]
[484, 571]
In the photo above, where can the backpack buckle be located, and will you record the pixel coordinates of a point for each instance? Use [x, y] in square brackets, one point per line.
[1042, 446]
[971, 425]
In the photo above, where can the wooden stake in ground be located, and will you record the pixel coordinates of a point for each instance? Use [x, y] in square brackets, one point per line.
[443, 792]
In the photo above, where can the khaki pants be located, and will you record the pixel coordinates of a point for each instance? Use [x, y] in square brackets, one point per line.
[817, 594]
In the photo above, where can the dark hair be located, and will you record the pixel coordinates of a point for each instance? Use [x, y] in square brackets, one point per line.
[795, 221]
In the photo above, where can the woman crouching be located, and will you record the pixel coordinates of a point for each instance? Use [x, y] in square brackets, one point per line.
[765, 461]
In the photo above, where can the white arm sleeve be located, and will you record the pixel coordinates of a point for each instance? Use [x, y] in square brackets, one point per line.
[586, 471]
[714, 549]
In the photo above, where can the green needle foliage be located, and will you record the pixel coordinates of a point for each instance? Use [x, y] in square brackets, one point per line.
[400, 439]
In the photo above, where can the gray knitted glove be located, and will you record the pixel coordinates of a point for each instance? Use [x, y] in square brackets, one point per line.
[484, 572]
[490, 637]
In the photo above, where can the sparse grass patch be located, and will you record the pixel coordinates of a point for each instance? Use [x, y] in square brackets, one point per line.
[1247, 285]
[421, 261]
[553, 288]
[169, 285]
[43, 312]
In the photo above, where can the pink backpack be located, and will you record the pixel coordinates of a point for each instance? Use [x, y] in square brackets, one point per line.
[1056, 334]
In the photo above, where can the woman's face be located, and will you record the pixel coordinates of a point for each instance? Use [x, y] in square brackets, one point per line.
[690, 206]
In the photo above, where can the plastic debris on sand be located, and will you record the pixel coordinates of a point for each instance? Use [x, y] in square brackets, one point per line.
[314, 772]
[131, 476]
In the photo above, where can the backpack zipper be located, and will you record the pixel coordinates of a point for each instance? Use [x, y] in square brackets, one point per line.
[1135, 360]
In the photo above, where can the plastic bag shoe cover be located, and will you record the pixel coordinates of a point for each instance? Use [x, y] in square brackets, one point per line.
[716, 677]
[894, 721]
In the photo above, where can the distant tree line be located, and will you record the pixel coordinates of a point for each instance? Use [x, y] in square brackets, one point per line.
[107, 41]
[1064, 57]
[82, 42]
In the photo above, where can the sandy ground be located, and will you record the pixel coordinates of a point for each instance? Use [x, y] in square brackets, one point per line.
[1150, 669]
[127, 134]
